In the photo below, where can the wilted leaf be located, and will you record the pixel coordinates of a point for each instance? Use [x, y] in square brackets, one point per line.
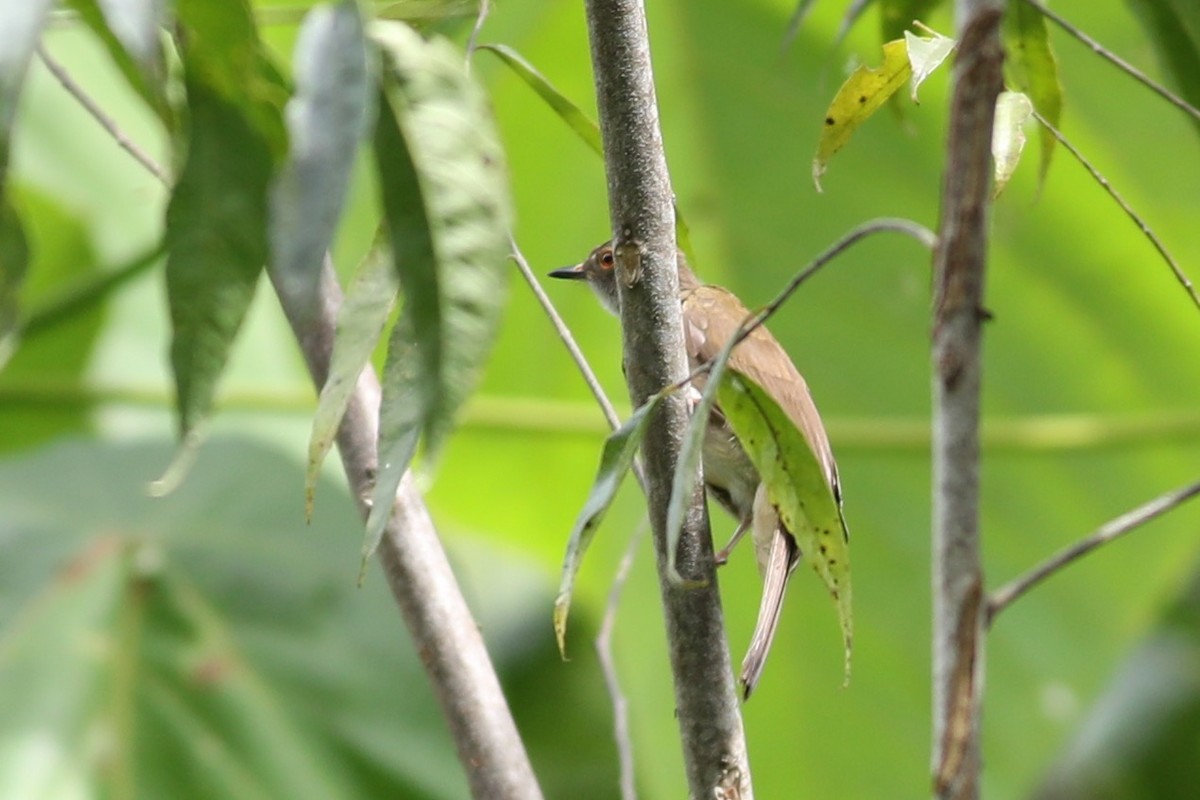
[863, 93]
[1031, 68]
[326, 120]
[369, 300]
[447, 209]
[925, 54]
[796, 486]
[615, 461]
[1013, 110]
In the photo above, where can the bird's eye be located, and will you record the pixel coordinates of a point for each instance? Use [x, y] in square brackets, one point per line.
[606, 259]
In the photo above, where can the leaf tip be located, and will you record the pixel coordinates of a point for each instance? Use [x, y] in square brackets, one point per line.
[562, 607]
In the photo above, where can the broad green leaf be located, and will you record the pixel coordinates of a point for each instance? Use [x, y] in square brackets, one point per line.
[925, 54]
[327, 118]
[216, 235]
[448, 213]
[796, 486]
[1031, 68]
[131, 32]
[1013, 111]
[1174, 28]
[620, 448]
[369, 300]
[587, 130]
[863, 93]
[898, 16]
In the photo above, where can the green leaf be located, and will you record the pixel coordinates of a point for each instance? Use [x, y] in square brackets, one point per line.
[1174, 29]
[620, 448]
[14, 262]
[448, 213]
[131, 33]
[587, 130]
[1013, 111]
[369, 300]
[327, 118]
[898, 16]
[925, 54]
[796, 486]
[216, 235]
[863, 93]
[1030, 67]
[23, 20]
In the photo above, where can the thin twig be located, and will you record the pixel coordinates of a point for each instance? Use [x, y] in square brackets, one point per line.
[1180, 275]
[98, 114]
[608, 664]
[473, 41]
[1003, 597]
[1117, 61]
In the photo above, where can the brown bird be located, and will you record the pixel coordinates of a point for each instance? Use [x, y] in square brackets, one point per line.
[711, 315]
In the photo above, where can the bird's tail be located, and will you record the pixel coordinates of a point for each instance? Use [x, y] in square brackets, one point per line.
[782, 558]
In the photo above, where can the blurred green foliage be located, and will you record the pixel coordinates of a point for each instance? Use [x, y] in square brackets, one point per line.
[1090, 335]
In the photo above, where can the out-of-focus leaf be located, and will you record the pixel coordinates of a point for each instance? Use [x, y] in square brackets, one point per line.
[1031, 68]
[447, 209]
[796, 486]
[799, 14]
[131, 32]
[587, 130]
[897, 16]
[14, 261]
[863, 93]
[1174, 28]
[23, 20]
[620, 448]
[853, 12]
[1013, 110]
[216, 235]
[218, 215]
[925, 54]
[369, 300]
[326, 119]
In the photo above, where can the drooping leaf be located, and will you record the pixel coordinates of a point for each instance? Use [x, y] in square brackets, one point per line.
[131, 32]
[863, 93]
[796, 486]
[1013, 111]
[616, 458]
[447, 210]
[897, 16]
[1030, 67]
[925, 54]
[1174, 28]
[218, 214]
[369, 300]
[216, 235]
[587, 130]
[326, 120]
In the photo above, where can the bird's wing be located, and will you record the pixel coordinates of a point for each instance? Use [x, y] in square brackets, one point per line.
[711, 316]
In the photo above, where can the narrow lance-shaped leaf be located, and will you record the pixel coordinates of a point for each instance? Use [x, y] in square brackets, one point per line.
[1031, 67]
[369, 300]
[863, 93]
[447, 208]
[326, 120]
[1174, 28]
[616, 458]
[796, 486]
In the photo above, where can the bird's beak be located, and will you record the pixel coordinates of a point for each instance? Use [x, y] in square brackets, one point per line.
[574, 273]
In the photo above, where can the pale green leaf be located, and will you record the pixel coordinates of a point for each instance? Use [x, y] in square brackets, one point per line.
[863, 93]
[369, 300]
[616, 458]
[1013, 111]
[1030, 67]
[796, 486]
[925, 54]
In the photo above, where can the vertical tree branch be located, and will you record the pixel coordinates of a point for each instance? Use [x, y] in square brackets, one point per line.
[959, 269]
[443, 631]
[641, 205]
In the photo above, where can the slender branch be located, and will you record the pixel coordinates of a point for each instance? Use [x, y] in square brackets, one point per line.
[485, 8]
[1117, 61]
[98, 114]
[418, 572]
[642, 219]
[1180, 275]
[959, 267]
[1110, 531]
[608, 665]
